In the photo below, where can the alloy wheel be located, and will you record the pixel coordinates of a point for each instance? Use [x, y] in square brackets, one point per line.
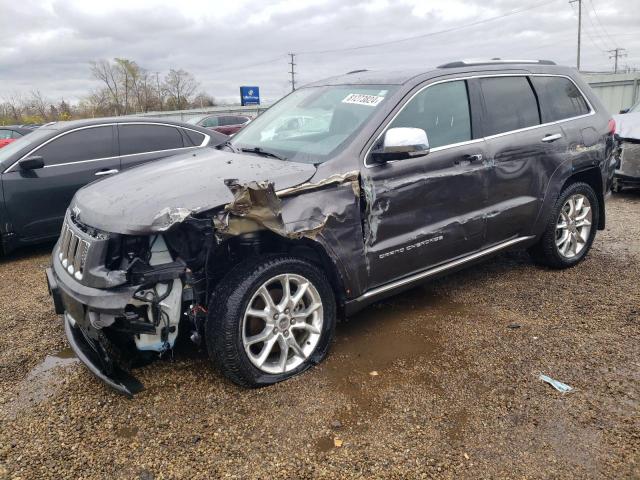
[282, 323]
[573, 226]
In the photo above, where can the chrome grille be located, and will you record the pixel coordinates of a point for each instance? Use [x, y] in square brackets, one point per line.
[73, 251]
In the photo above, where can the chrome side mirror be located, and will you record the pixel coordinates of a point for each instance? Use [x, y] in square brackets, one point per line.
[401, 143]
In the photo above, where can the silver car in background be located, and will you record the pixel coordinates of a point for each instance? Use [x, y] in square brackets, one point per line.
[627, 173]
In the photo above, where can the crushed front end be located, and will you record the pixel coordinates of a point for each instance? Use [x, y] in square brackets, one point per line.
[627, 173]
[122, 298]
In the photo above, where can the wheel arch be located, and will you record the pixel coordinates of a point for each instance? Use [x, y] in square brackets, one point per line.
[315, 251]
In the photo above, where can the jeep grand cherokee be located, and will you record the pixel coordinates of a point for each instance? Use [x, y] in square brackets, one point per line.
[256, 248]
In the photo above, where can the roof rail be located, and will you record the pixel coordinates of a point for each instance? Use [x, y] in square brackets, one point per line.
[493, 61]
[356, 71]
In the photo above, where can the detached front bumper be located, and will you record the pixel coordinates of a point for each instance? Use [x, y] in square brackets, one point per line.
[77, 303]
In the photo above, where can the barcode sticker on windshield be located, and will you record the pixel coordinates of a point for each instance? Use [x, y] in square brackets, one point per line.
[361, 99]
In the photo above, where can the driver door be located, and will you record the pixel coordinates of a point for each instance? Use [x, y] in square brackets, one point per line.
[36, 200]
[427, 210]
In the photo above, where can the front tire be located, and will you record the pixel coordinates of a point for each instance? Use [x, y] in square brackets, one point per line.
[571, 228]
[269, 320]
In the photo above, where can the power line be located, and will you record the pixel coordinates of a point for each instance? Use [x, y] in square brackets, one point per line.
[571, 2]
[591, 39]
[597, 34]
[600, 23]
[425, 35]
[617, 53]
[293, 71]
[250, 65]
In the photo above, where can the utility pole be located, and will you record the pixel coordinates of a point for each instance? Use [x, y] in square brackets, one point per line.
[293, 71]
[615, 54]
[579, 30]
[159, 94]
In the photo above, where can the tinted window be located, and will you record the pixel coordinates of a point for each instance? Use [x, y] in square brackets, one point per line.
[148, 138]
[194, 139]
[210, 122]
[559, 98]
[510, 104]
[16, 134]
[4, 134]
[85, 144]
[442, 111]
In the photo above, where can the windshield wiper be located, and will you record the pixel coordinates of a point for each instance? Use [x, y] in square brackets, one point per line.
[264, 153]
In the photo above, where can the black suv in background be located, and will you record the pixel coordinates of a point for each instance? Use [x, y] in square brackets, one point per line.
[40, 173]
[260, 245]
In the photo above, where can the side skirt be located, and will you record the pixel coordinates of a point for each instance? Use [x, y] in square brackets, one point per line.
[391, 288]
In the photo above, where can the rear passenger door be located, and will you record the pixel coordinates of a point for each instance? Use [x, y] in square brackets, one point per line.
[144, 142]
[36, 200]
[524, 154]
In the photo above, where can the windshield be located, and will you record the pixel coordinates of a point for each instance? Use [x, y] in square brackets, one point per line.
[196, 119]
[313, 124]
[9, 150]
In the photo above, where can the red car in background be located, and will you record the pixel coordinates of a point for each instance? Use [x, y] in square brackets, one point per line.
[226, 123]
[11, 133]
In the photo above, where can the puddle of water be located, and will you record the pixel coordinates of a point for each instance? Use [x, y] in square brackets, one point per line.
[385, 338]
[62, 358]
[42, 381]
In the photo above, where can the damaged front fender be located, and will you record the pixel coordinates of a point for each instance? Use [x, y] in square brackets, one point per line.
[326, 212]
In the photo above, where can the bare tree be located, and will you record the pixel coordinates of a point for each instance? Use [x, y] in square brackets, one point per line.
[40, 105]
[202, 100]
[179, 86]
[14, 106]
[144, 91]
[108, 74]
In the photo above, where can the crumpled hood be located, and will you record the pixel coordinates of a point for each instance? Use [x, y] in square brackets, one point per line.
[628, 125]
[152, 197]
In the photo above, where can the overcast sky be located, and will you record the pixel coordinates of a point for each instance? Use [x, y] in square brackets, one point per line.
[48, 44]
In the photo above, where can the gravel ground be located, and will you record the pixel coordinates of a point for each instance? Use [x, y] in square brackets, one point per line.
[441, 381]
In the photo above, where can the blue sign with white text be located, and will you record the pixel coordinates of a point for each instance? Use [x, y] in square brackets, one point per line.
[249, 96]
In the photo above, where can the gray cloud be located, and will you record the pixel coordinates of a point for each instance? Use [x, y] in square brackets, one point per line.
[48, 45]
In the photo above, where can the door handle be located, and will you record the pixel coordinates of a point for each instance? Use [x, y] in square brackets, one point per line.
[476, 157]
[106, 172]
[552, 137]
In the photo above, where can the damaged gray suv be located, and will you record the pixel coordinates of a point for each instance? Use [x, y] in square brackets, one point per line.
[346, 191]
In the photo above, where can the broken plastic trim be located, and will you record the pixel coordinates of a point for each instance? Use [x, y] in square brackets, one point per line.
[119, 380]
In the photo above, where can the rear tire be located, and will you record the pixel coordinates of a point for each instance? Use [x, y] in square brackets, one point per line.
[571, 228]
[270, 319]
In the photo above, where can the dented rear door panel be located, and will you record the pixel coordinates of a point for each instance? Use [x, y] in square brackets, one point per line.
[522, 168]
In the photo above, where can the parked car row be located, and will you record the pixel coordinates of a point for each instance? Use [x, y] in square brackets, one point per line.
[346, 191]
[227, 124]
[10, 133]
[40, 172]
